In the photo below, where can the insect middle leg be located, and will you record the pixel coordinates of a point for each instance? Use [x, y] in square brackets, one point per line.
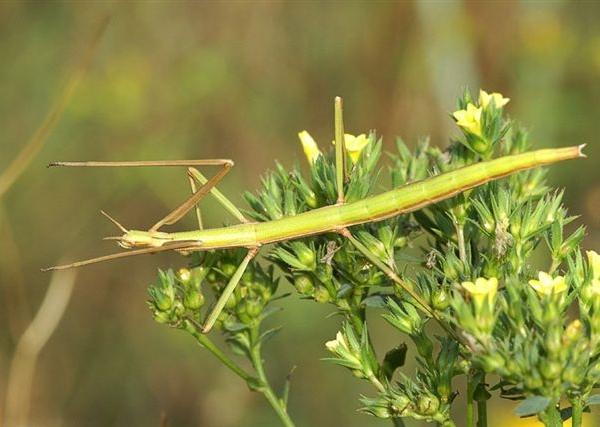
[231, 285]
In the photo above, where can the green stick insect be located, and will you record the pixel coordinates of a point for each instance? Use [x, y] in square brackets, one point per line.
[330, 219]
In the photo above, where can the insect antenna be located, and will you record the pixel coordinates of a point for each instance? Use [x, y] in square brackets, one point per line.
[115, 222]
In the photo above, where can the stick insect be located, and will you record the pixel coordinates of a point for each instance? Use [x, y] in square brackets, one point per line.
[335, 218]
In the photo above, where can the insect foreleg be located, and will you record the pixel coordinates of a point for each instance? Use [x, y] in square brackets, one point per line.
[177, 213]
[218, 308]
[181, 210]
[197, 176]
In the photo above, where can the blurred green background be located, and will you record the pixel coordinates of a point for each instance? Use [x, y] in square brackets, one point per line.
[239, 80]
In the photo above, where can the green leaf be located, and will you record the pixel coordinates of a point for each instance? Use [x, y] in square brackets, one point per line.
[532, 405]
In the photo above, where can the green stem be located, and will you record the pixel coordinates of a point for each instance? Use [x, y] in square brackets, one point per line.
[205, 342]
[551, 417]
[470, 402]
[482, 413]
[577, 416]
[404, 285]
[265, 388]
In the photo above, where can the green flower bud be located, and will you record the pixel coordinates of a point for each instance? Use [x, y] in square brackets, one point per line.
[231, 301]
[386, 236]
[193, 299]
[424, 344]
[212, 276]
[322, 295]
[401, 404]
[228, 269]
[254, 308]
[491, 362]
[305, 255]
[481, 146]
[178, 309]
[162, 297]
[357, 373]
[573, 375]
[324, 272]
[532, 381]
[184, 275]
[427, 404]
[464, 366]
[573, 332]
[379, 411]
[304, 284]
[553, 340]
[440, 300]
[401, 242]
[162, 317]
[551, 370]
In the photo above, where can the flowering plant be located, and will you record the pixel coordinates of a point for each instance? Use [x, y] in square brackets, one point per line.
[508, 328]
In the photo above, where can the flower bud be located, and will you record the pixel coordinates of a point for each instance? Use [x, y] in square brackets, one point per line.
[553, 341]
[303, 284]
[440, 300]
[162, 297]
[427, 404]
[573, 332]
[162, 317]
[231, 301]
[305, 255]
[322, 295]
[184, 275]
[178, 308]
[551, 370]
[400, 242]
[228, 269]
[193, 299]
[491, 362]
[254, 308]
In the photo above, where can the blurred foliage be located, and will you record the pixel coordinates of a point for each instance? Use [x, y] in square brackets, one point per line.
[238, 80]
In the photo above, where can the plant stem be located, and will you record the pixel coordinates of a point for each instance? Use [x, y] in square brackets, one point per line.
[482, 413]
[577, 416]
[265, 388]
[470, 402]
[551, 417]
[407, 287]
[205, 342]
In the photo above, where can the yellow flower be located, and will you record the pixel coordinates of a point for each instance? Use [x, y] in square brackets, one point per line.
[469, 119]
[338, 344]
[354, 145]
[483, 289]
[594, 263]
[311, 149]
[548, 285]
[485, 98]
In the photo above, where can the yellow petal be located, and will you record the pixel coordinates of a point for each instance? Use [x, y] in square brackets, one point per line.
[548, 285]
[310, 147]
[485, 98]
[469, 119]
[594, 263]
[354, 145]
